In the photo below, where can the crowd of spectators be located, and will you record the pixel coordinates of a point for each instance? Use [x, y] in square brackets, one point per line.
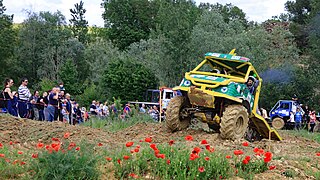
[51, 105]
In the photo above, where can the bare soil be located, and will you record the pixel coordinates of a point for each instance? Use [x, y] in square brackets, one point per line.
[294, 154]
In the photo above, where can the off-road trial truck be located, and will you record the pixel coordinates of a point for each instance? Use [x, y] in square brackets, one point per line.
[216, 92]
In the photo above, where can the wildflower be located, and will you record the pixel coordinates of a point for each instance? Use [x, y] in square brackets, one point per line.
[8, 160]
[207, 147]
[77, 148]
[136, 150]
[196, 150]
[258, 151]
[138, 146]
[201, 169]
[245, 144]
[156, 151]
[267, 159]
[34, 155]
[40, 145]
[56, 146]
[272, 167]
[168, 161]
[245, 161]
[2, 155]
[204, 142]
[129, 144]
[15, 161]
[237, 152]
[100, 144]
[66, 135]
[140, 141]
[10, 142]
[132, 151]
[207, 158]
[71, 145]
[189, 138]
[133, 175]
[119, 161]
[171, 142]
[126, 157]
[108, 158]
[55, 139]
[268, 155]
[20, 152]
[228, 156]
[1, 145]
[193, 156]
[153, 146]
[318, 154]
[149, 140]
[22, 163]
[247, 158]
[255, 149]
[162, 156]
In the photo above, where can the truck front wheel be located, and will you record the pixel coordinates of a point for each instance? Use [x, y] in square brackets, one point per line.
[234, 122]
[174, 120]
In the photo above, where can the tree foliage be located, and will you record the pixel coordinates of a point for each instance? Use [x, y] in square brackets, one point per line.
[127, 80]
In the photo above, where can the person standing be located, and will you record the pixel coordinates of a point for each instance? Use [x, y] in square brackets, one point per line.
[41, 105]
[34, 106]
[53, 103]
[298, 119]
[8, 96]
[23, 98]
[313, 119]
[69, 107]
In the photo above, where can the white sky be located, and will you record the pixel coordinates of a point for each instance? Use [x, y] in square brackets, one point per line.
[256, 10]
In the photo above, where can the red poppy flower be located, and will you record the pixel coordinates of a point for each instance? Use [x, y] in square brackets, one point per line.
[245, 144]
[100, 144]
[193, 156]
[168, 161]
[8, 160]
[108, 158]
[156, 151]
[40, 145]
[228, 156]
[204, 142]
[136, 150]
[255, 149]
[267, 159]
[140, 141]
[196, 150]
[207, 147]
[66, 135]
[2, 155]
[129, 144]
[211, 150]
[34, 155]
[10, 142]
[134, 176]
[55, 139]
[268, 155]
[149, 140]
[201, 169]
[237, 152]
[119, 161]
[132, 151]
[189, 138]
[22, 163]
[245, 161]
[153, 146]
[1, 145]
[126, 157]
[207, 158]
[15, 161]
[171, 142]
[20, 152]
[138, 146]
[162, 156]
[247, 158]
[77, 148]
[272, 167]
[56, 146]
[259, 152]
[318, 154]
[72, 144]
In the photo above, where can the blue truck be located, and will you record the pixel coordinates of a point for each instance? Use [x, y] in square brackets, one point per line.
[280, 113]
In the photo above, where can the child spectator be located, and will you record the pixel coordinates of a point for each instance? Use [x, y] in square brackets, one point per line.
[65, 114]
[298, 119]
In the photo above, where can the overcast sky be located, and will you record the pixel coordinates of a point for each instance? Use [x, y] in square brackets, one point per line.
[256, 10]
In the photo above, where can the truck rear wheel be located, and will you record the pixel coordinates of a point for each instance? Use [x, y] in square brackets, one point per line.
[234, 122]
[174, 120]
[278, 123]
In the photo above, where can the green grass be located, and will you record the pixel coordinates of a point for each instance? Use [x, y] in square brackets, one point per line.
[304, 133]
[114, 124]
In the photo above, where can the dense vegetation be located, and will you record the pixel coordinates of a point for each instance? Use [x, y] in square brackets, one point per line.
[157, 41]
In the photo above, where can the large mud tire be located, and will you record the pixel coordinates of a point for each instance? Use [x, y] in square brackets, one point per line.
[174, 121]
[234, 122]
[278, 123]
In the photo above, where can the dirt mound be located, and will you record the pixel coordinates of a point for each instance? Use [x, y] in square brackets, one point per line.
[295, 154]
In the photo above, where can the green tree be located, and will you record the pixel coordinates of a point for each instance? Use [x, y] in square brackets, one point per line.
[7, 42]
[69, 76]
[128, 20]
[127, 80]
[79, 25]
